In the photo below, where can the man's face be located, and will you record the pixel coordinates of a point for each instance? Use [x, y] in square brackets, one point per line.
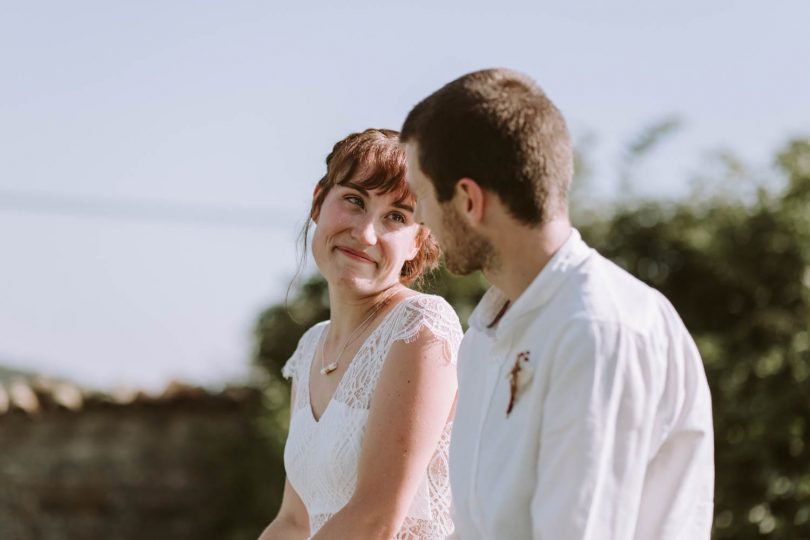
[464, 249]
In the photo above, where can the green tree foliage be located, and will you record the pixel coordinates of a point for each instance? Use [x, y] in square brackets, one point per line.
[737, 268]
[738, 275]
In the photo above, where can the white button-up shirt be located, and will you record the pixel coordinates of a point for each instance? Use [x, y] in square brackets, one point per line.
[610, 430]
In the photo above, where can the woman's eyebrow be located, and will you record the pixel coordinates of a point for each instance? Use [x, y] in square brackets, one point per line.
[404, 206]
[363, 191]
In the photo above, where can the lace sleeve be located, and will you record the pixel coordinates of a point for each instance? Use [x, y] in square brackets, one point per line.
[435, 314]
[290, 369]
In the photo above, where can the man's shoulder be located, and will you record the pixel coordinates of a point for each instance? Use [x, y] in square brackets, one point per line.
[600, 291]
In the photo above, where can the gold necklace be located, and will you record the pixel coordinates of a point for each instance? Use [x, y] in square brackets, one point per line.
[326, 370]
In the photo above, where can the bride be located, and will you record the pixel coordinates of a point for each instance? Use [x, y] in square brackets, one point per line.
[373, 388]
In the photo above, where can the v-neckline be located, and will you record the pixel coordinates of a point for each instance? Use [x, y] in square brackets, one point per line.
[351, 364]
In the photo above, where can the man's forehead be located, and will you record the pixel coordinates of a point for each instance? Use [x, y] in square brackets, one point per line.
[411, 150]
[410, 175]
[413, 171]
[414, 180]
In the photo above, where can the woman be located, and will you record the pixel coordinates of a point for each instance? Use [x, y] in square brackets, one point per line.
[374, 387]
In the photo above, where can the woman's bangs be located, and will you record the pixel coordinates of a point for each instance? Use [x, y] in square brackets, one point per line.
[385, 177]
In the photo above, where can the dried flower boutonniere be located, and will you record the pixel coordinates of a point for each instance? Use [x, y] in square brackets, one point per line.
[519, 376]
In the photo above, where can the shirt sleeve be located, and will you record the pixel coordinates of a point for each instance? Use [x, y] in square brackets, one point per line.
[595, 434]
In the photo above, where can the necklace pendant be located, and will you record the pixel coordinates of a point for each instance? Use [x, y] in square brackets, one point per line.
[329, 369]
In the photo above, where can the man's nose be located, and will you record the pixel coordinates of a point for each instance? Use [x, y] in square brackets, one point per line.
[417, 213]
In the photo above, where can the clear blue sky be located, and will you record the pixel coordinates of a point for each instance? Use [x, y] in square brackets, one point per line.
[222, 112]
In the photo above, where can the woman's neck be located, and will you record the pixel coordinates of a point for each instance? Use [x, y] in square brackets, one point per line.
[350, 310]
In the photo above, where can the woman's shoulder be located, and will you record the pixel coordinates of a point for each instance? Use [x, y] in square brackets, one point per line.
[428, 310]
[305, 345]
[429, 303]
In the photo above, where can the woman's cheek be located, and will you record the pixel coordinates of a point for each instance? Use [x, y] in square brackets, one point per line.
[341, 219]
[318, 243]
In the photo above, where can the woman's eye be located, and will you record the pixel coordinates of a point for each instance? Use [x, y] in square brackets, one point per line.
[396, 216]
[355, 200]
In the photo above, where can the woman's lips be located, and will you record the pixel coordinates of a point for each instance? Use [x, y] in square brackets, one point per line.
[355, 254]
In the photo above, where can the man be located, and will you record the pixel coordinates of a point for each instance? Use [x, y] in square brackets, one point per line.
[583, 408]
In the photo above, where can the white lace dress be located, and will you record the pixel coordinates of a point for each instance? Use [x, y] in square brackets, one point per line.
[322, 457]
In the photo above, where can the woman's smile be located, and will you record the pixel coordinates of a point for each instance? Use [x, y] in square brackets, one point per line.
[354, 254]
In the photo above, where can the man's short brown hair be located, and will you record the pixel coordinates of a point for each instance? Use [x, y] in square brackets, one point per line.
[497, 127]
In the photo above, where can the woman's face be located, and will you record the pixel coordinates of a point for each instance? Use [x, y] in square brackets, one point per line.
[362, 238]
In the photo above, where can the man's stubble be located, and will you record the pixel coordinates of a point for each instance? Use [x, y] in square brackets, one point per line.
[465, 250]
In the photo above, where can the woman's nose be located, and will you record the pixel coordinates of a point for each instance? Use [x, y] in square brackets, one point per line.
[364, 231]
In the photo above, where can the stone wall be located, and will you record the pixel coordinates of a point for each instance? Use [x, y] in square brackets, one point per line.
[185, 464]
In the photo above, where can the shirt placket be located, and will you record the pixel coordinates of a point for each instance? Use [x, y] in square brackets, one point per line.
[493, 375]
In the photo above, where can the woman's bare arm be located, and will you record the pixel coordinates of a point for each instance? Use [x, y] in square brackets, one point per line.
[409, 409]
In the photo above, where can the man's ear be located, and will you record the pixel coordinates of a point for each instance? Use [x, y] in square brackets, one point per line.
[472, 200]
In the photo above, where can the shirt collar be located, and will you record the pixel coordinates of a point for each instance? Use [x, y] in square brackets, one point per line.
[485, 316]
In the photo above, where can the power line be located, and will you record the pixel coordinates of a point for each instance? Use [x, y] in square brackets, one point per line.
[32, 202]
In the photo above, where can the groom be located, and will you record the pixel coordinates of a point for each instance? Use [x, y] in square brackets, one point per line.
[583, 408]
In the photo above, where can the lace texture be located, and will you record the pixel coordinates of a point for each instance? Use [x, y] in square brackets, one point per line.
[322, 457]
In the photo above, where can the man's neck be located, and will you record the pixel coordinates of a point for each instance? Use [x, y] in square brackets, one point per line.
[522, 254]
